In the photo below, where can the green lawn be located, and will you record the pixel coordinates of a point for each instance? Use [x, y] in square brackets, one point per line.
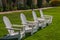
[51, 32]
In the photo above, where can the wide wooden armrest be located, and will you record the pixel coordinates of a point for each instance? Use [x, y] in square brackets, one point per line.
[14, 29]
[31, 25]
[47, 16]
[31, 22]
[41, 19]
[18, 25]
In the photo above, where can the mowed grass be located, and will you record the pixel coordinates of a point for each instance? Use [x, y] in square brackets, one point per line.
[51, 32]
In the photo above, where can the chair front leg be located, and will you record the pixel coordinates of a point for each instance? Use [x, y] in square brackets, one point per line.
[19, 36]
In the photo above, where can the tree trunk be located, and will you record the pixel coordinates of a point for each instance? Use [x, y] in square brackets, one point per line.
[4, 3]
[0, 3]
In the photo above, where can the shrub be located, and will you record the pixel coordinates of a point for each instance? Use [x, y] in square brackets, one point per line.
[44, 4]
[1, 9]
[55, 3]
[47, 1]
[20, 6]
[39, 3]
[26, 7]
[34, 6]
[14, 8]
[7, 8]
[23, 7]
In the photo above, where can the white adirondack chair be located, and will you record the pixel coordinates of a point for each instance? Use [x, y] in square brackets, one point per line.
[8, 24]
[31, 26]
[42, 24]
[47, 18]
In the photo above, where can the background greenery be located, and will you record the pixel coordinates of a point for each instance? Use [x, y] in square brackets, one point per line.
[9, 5]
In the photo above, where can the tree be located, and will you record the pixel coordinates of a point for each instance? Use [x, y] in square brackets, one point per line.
[4, 3]
[47, 1]
[1, 9]
[39, 3]
[0, 3]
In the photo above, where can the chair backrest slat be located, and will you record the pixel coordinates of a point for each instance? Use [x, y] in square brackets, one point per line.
[23, 18]
[41, 13]
[34, 15]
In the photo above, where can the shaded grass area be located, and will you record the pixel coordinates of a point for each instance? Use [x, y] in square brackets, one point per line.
[51, 32]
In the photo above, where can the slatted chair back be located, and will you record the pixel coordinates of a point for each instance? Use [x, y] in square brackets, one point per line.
[8, 24]
[24, 21]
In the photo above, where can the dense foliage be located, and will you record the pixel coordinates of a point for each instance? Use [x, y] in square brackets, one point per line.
[55, 3]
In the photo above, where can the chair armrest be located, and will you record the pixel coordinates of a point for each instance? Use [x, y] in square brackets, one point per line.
[47, 16]
[18, 25]
[14, 29]
[31, 22]
[41, 19]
